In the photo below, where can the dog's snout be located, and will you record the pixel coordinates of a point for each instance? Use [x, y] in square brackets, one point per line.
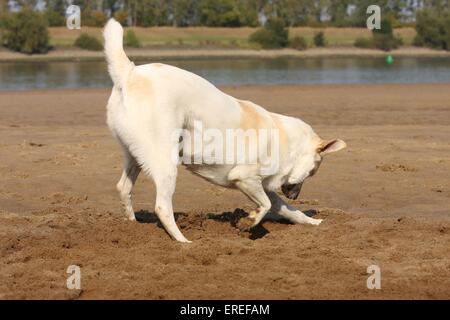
[291, 191]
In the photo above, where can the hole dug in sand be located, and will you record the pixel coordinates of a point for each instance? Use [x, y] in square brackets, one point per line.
[219, 224]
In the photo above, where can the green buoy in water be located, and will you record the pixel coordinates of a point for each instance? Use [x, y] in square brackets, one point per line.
[389, 59]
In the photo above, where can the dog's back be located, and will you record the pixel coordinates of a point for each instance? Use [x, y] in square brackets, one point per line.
[175, 90]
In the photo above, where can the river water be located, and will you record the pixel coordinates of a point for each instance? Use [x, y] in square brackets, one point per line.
[59, 75]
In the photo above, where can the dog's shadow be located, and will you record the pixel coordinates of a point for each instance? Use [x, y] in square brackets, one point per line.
[233, 218]
[145, 216]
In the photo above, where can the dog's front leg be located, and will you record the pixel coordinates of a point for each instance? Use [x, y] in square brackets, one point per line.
[252, 188]
[288, 212]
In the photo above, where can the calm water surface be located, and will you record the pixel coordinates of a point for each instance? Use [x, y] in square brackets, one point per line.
[58, 75]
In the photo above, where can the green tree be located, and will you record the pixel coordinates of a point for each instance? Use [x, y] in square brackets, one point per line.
[438, 5]
[92, 12]
[111, 5]
[298, 43]
[28, 4]
[55, 12]
[152, 13]
[58, 6]
[338, 11]
[185, 13]
[433, 28]
[3, 6]
[319, 39]
[54, 19]
[292, 12]
[131, 6]
[228, 13]
[272, 36]
[87, 42]
[131, 40]
[122, 16]
[384, 38]
[249, 12]
[223, 13]
[26, 32]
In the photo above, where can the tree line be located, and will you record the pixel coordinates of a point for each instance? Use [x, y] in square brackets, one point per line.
[227, 13]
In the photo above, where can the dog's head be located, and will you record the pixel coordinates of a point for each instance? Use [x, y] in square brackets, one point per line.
[308, 164]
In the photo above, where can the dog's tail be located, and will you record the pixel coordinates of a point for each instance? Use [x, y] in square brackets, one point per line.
[119, 66]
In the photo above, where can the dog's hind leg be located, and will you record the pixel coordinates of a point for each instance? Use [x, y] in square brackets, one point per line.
[165, 181]
[279, 207]
[126, 183]
[157, 159]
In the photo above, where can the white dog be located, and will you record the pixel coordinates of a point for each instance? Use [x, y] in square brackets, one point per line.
[149, 103]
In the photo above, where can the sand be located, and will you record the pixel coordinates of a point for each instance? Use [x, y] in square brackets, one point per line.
[385, 201]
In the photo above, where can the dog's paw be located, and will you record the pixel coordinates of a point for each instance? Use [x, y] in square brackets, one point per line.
[245, 224]
[316, 222]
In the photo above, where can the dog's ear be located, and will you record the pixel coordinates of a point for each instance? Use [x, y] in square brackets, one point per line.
[326, 147]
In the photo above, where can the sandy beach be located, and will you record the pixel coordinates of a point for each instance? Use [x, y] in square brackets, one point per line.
[385, 201]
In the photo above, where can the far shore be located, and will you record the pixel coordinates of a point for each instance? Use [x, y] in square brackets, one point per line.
[69, 55]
